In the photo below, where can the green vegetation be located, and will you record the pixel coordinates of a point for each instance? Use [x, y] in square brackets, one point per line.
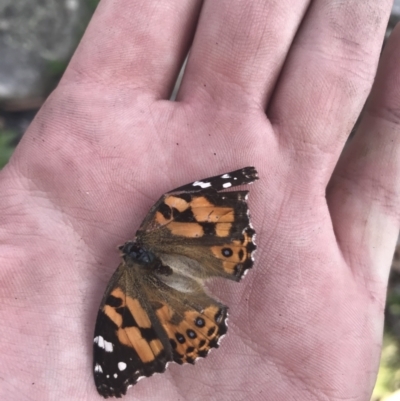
[7, 145]
[389, 371]
[93, 4]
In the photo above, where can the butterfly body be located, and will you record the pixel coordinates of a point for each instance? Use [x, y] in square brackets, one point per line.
[155, 309]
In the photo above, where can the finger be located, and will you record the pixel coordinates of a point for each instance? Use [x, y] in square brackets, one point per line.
[326, 79]
[238, 50]
[135, 44]
[364, 194]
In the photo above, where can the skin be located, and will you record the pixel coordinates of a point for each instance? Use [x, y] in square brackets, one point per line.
[274, 84]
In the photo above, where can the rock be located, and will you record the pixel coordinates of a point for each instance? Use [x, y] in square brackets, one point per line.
[37, 38]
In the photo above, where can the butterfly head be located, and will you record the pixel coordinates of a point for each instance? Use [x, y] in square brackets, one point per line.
[137, 253]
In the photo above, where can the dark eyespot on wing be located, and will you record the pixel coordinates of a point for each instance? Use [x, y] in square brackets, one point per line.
[180, 338]
[196, 333]
[190, 333]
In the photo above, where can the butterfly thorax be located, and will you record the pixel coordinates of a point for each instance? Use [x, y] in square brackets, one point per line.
[133, 251]
[137, 253]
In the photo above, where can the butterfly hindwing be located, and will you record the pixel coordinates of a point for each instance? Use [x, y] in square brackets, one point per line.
[193, 321]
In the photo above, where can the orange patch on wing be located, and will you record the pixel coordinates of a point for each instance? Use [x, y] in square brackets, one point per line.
[211, 311]
[156, 346]
[247, 239]
[161, 220]
[188, 230]
[223, 229]
[164, 313]
[200, 201]
[140, 315]
[110, 311]
[113, 315]
[132, 337]
[229, 267]
[205, 211]
[123, 337]
[214, 214]
[118, 293]
[177, 203]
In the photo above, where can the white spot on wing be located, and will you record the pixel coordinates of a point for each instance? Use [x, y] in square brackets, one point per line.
[121, 366]
[108, 347]
[201, 184]
[227, 185]
[102, 343]
[225, 176]
[99, 340]
[98, 368]
[115, 375]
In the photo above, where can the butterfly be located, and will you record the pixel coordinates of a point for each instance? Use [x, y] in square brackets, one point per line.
[155, 309]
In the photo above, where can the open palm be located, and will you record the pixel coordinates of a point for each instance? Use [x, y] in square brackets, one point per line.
[277, 85]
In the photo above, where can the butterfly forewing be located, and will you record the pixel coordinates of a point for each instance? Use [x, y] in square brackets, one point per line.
[129, 342]
[212, 228]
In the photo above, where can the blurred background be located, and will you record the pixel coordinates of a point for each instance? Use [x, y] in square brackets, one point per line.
[37, 39]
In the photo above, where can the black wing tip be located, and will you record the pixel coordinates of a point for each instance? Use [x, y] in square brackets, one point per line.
[107, 392]
[249, 174]
[118, 390]
[242, 176]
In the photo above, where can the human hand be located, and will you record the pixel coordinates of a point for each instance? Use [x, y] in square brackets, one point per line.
[306, 322]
